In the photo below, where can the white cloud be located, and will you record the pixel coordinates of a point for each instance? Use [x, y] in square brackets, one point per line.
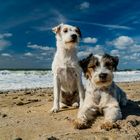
[84, 5]
[44, 53]
[135, 48]
[28, 54]
[123, 42]
[56, 18]
[126, 48]
[126, 57]
[15, 21]
[4, 42]
[135, 56]
[98, 49]
[115, 52]
[44, 48]
[6, 55]
[109, 26]
[132, 56]
[114, 26]
[83, 54]
[39, 58]
[90, 40]
[5, 35]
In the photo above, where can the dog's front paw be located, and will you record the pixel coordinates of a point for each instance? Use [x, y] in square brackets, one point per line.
[54, 110]
[79, 124]
[109, 125]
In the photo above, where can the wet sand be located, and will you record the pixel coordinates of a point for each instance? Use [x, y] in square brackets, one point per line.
[25, 114]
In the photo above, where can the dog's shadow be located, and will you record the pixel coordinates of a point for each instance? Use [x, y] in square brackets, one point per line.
[132, 108]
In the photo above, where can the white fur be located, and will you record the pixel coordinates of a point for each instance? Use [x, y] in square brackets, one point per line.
[104, 101]
[105, 98]
[65, 59]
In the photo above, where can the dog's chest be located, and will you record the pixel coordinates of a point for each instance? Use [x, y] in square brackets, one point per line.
[101, 98]
[67, 77]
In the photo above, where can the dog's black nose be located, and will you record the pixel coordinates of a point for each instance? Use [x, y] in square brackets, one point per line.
[74, 36]
[102, 75]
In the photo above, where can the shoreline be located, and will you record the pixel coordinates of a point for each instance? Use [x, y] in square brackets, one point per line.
[50, 88]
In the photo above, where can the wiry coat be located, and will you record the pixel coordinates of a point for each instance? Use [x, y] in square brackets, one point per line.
[106, 101]
[102, 94]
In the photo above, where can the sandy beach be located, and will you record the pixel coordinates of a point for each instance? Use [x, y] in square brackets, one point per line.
[24, 115]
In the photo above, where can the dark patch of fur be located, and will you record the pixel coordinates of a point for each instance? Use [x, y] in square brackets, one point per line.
[79, 32]
[111, 61]
[84, 63]
[69, 98]
[88, 64]
[58, 29]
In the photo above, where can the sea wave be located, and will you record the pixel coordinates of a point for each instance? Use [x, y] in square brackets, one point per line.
[13, 80]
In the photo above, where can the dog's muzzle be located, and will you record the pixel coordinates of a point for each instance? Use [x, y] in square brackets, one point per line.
[74, 37]
[103, 77]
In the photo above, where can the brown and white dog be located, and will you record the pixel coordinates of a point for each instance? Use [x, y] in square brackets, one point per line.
[68, 87]
[102, 94]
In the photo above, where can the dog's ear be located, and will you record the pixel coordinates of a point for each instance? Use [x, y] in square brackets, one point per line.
[115, 62]
[57, 29]
[79, 32]
[84, 63]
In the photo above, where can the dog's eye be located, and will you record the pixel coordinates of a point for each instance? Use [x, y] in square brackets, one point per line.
[76, 31]
[65, 30]
[97, 63]
[107, 64]
[92, 67]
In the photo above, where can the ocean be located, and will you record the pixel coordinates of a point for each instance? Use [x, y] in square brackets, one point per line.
[23, 79]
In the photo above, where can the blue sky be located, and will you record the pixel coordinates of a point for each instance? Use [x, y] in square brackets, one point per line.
[26, 40]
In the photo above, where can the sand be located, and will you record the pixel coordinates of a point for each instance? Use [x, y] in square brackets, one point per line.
[24, 115]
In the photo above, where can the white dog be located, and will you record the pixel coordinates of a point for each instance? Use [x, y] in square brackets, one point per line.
[102, 94]
[66, 70]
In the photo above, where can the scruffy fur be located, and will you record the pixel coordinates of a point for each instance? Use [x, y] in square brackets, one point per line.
[102, 94]
[68, 87]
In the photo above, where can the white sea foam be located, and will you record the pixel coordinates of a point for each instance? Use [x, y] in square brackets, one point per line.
[12, 80]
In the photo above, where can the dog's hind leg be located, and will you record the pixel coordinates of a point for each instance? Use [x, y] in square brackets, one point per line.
[123, 100]
[75, 105]
[75, 102]
[121, 96]
[63, 102]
